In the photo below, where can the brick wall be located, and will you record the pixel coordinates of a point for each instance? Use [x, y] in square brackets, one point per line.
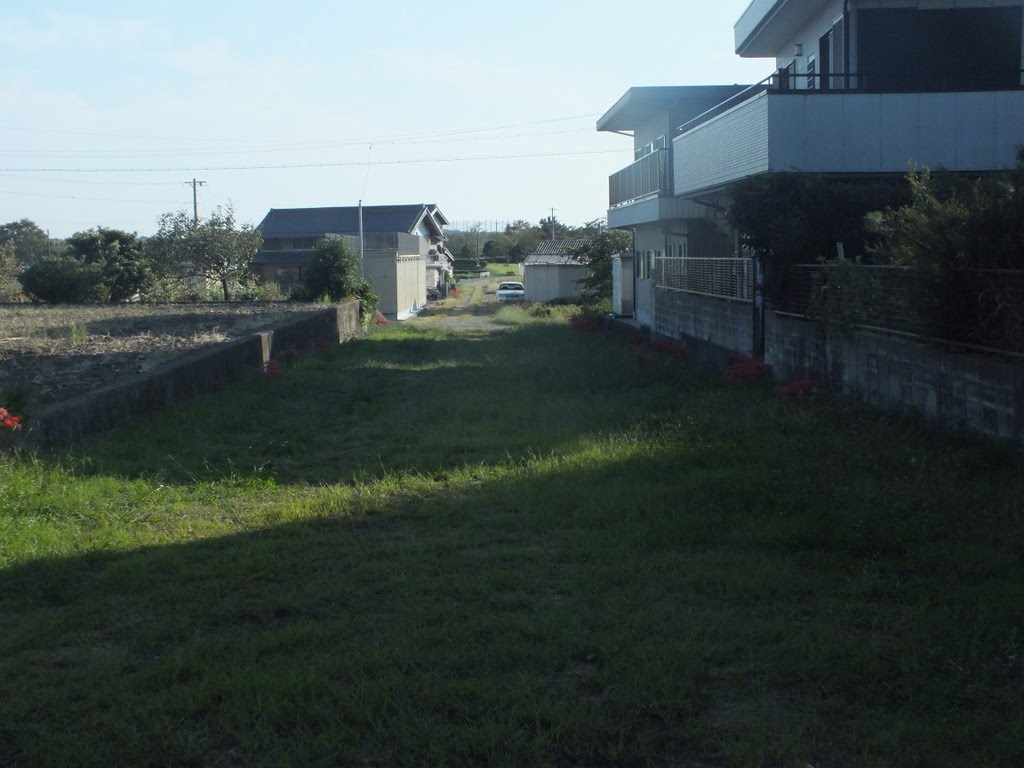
[711, 330]
[953, 390]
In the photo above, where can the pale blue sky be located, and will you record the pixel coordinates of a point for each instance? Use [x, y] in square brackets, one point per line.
[106, 112]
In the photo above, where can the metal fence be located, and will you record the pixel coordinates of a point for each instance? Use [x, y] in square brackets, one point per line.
[975, 308]
[647, 176]
[727, 278]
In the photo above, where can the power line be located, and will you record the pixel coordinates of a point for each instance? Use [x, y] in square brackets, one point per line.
[87, 181]
[95, 199]
[285, 166]
[358, 140]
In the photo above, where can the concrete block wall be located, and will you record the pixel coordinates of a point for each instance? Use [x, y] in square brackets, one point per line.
[952, 390]
[711, 330]
[189, 376]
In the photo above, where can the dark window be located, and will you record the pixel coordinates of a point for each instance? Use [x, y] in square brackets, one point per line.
[902, 49]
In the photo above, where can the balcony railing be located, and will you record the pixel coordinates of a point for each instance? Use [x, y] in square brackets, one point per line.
[805, 84]
[646, 177]
[724, 278]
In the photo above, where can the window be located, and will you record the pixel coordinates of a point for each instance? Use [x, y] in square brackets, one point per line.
[812, 72]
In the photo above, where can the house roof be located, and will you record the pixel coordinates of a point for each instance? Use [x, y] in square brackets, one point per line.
[551, 260]
[556, 252]
[767, 24]
[317, 222]
[639, 104]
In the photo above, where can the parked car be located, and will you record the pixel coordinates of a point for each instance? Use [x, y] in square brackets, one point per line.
[510, 291]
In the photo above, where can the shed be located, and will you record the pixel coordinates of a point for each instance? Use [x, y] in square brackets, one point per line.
[553, 272]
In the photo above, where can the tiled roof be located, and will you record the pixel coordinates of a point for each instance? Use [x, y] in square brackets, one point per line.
[316, 222]
[563, 247]
[551, 259]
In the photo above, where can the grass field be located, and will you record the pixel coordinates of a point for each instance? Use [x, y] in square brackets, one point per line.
[536, 546]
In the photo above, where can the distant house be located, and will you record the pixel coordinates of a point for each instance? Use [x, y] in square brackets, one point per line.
[553, 271]
[402, 245]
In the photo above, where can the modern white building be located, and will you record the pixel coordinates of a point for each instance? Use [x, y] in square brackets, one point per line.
[859, 88]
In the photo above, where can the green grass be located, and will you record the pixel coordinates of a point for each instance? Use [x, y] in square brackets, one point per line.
[531, 547]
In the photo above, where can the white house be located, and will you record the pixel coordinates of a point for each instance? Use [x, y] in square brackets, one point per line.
[860, 88]
[553, 272]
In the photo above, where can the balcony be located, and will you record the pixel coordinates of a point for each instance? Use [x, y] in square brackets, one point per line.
[770, 128]
[645, 178]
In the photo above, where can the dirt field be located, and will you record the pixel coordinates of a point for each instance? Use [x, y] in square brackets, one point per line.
[48, 354]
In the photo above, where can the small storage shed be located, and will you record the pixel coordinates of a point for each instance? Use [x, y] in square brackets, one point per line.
[552, 271]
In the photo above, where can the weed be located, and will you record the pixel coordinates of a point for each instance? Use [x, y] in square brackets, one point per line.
[432, 546]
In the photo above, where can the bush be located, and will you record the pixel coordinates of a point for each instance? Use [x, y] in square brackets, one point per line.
[334, 272]
[64, 281]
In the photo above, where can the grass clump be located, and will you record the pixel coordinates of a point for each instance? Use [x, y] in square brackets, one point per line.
[526, 547]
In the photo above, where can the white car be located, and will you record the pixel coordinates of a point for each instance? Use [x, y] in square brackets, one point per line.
[510, 292]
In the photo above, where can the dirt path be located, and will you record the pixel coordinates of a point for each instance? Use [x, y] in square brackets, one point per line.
[472, 309]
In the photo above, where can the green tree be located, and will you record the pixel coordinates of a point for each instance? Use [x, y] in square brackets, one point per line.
[591, 228]
[798, 218]
[121, 257]
[951, 231]
[334, 272]
[10, 288]
[64, 280]
[596, 287]
[553, 229]
[30, 242]
[215, 249]
[524, 238]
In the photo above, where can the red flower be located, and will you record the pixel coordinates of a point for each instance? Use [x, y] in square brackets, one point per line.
[8, 420]
[799, 389]
[744, 368]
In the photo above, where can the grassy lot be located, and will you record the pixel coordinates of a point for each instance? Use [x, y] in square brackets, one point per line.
[539, 546]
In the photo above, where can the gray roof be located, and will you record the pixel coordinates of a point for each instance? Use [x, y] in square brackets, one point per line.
[317, 222]
[563, 247]
[681, 102]
[551, 260]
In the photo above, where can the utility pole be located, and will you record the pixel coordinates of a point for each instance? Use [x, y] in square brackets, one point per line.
[362, 251]
[195, 198]
[552, 225]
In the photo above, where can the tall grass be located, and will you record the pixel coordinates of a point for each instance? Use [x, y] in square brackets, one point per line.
[534, 546]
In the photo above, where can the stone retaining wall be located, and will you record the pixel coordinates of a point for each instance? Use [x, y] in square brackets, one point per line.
[189, 376]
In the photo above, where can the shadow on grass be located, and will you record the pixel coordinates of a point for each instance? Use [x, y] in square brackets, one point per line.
[409, 400]
[579, 610]
[460, 625]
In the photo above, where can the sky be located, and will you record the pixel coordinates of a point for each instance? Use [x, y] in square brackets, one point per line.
[487, 109]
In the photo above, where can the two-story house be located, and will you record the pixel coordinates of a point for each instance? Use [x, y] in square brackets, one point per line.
[860, 88]
[402, 246]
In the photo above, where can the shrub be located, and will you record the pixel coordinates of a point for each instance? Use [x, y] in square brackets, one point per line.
[334, 272]
[64, 281]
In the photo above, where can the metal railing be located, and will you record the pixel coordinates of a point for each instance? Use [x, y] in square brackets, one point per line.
[647, 176]
[725, 278]
[979, 309]
[804, 84]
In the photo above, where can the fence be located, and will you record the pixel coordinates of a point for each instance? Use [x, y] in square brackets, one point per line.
[724, 278]
[980, 309]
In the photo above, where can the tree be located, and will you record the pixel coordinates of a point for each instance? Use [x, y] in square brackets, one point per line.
[591, 228]
[10, 288]
[552, 228]
[214, 249]
[798, 218]
[64, 280]
[955, 232]
[120, 256]
[334, 272]
[30, 242]
[597, 255]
